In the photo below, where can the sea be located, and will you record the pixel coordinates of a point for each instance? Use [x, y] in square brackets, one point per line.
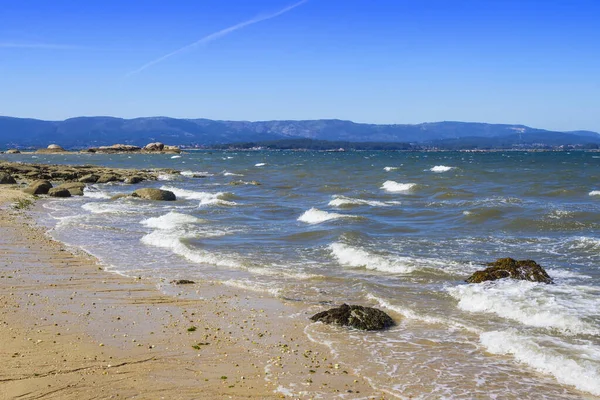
[400, 231]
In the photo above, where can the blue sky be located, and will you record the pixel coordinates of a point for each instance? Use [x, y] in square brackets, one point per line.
[380, 61]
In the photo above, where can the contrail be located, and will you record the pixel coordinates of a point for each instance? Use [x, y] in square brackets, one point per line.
[217, 35]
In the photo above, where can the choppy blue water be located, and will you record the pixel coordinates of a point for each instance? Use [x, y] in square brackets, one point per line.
[397, 230]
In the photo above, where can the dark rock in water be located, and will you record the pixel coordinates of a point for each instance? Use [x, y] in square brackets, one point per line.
[133, 179]
[75, 188]
[89, 178]
[38, 187]
[59, 192]
[154, 194]
[182, 282]
[526, 270]
[359, 317]
[13, 151]
[105, 178]
[6, 179]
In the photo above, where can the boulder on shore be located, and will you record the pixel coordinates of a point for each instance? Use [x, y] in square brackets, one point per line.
[53, 148]
[154, 194]
[38, 187]
[105, 178]
[526, 270]
[6, 179]
[89, 178]
[75, 188]
[359, 317]
[156, 146]
[172, 149]
[59, 192]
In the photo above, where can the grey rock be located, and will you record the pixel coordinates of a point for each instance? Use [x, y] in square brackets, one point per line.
[38, 187]
[154, 194]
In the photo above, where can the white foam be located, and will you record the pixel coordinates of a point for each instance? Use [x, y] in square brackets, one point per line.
[195, 174]
[585, 243]
[395, 187]
[354, 257]
[176, 157]
[253, 287]
[440, 168]
[262, 164]
[595, 193]
[95, 194]
[554, 307]
[110, 208]
[166, 177]
[205, 198]
[411, 314]
[170, 220]
[314, 216]
[231, 174]
[342, 201]
[388, 169]
[583, 373]
[172, 239]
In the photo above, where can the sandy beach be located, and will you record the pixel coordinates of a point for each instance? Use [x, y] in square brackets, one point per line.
[71, 330]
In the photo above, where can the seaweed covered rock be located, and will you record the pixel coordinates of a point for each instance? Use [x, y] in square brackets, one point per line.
[526, 270]
[182, 282]
[6, 179]
[154, 194]
[359, 317]
[38, 187]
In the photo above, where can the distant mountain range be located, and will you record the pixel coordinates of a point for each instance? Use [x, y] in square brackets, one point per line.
[83, 132]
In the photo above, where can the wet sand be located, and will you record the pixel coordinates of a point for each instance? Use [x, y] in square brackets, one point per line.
[71, 330]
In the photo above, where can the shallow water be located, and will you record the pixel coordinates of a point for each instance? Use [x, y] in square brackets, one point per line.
[398, 230]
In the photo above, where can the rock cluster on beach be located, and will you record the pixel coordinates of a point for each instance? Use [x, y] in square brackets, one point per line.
[359, 317]
[76, 173]
[155, 147]
[527, 270]
[72, 179]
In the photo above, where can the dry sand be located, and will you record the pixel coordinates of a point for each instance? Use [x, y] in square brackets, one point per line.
[70, 330]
